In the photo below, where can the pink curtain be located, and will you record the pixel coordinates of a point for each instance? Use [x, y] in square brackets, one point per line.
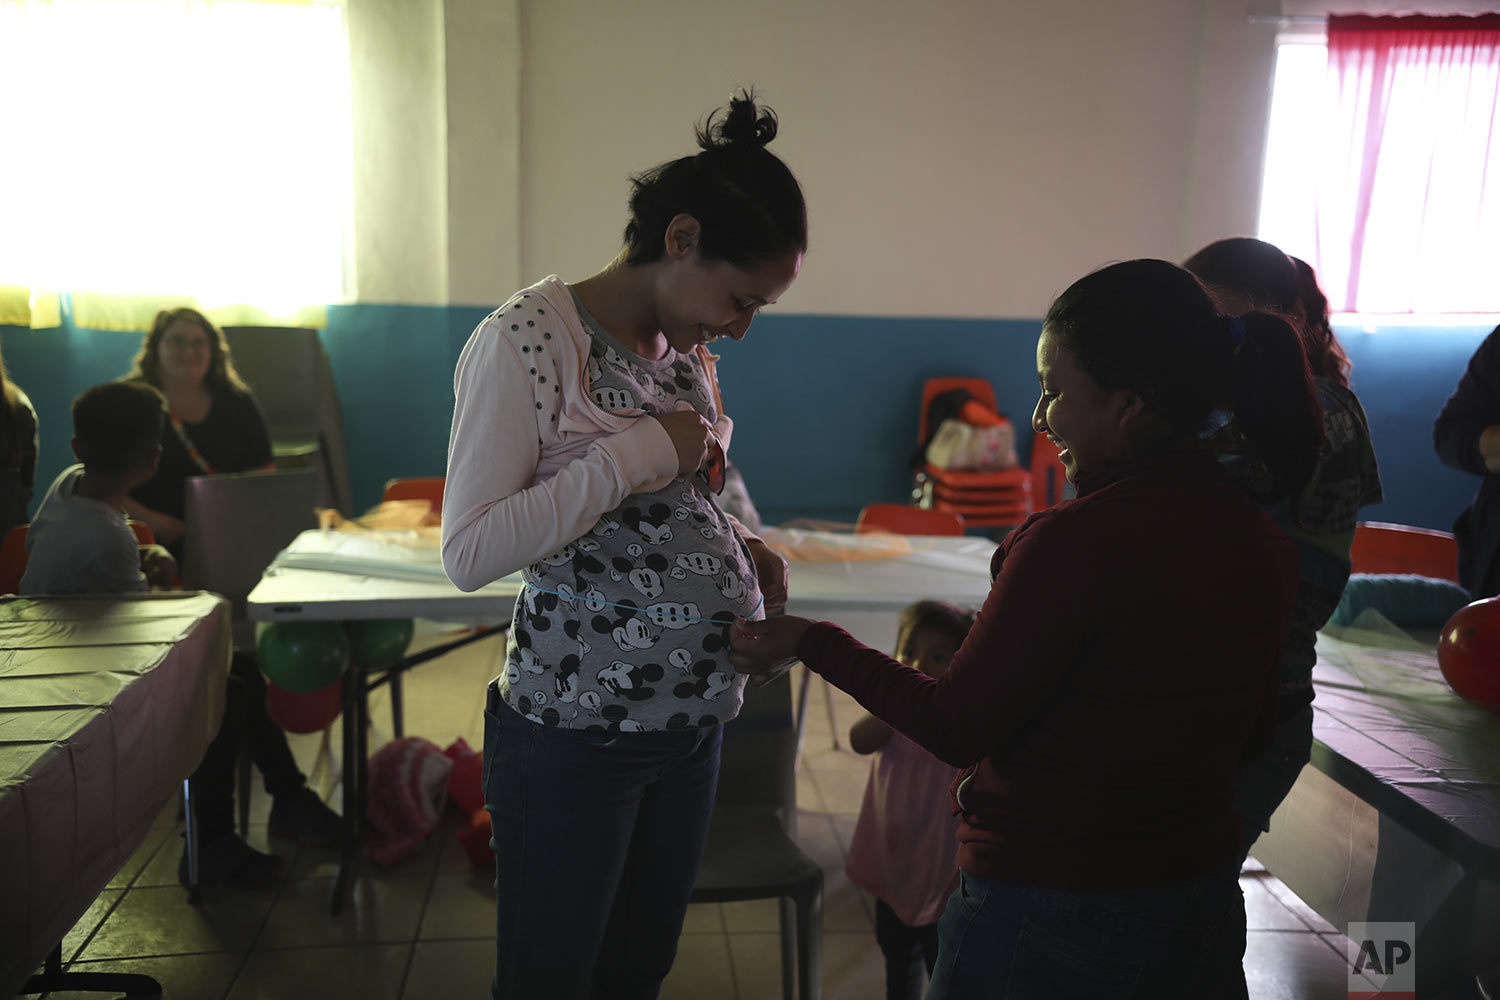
[1408, 179]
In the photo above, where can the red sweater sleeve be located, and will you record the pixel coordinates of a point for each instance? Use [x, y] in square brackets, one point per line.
[1013, 660]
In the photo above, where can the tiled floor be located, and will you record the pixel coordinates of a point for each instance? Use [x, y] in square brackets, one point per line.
[423, 929]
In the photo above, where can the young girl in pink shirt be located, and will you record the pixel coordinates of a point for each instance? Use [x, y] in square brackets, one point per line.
[905, 849]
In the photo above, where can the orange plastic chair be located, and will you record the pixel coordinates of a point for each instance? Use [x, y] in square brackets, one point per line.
[1380, 547]
[1048, 477]
[983, 499]
[980, 388]
[416, 488]
[900, 519]
[429, 488]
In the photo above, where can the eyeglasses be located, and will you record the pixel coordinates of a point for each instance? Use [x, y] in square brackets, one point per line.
[185, 343]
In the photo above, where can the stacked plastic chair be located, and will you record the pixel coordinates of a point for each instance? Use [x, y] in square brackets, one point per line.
[999, 497]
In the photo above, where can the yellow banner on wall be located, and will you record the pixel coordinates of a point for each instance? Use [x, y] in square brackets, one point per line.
[24, 307]
[131, 313]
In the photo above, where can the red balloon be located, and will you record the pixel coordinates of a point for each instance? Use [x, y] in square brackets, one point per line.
[305, 712]
[1469, 652]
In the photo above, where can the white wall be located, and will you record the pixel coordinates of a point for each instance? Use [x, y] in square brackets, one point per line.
[960, 157]
[400, 138]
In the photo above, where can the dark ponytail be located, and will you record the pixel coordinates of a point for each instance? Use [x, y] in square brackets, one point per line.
[747, 203]
[1150, 327]
[1275, 404]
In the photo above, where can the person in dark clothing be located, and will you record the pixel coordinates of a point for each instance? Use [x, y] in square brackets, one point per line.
[1243, 274]
[18, 447]
[1467, 437]
[1124, 663]
[213, 425]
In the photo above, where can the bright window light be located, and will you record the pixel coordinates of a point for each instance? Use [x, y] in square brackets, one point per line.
[1287, 201]
[1397, 211]
[169, 147]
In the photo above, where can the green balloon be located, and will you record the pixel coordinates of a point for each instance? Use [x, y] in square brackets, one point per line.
[303, 656]
[380, 642]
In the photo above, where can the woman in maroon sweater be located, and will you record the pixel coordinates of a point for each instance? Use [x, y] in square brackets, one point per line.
[1123, 663]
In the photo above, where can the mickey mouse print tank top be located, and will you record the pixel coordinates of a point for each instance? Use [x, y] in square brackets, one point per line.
[627, 628]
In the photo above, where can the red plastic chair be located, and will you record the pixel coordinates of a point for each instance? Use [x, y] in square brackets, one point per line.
[1048, 477]
[1380, 547]
[900, 519]
[13, 559]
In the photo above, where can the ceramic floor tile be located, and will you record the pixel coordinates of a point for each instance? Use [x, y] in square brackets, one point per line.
[377, 910]
[808, 795]
[1293, 902]
[461, 905]
[843, 829]
[189, 976]
[816, 837]
[846, 907]
[1293, 965]
[159, 836]
[452, 857]
[323, 862]
[161, 870]
[160, 921]
[701, 971]
[843, 789]
[759, 916]
[442, 969]
[852, 966]
[87, 923]
[371, 972]
[1264, 911]
[821, 756]
[703, 918]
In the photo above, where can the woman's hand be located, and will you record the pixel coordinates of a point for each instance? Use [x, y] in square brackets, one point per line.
[159, 566]
[771, 571]
[690, 435]
[766, 649]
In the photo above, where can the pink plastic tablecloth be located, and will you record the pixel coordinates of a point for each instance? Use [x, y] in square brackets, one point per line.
[106, 705]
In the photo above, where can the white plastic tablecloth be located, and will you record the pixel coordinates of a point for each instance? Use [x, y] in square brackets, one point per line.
[106, 705]
[335, 575]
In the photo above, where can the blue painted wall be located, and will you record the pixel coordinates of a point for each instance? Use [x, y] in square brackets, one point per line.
[826, 405]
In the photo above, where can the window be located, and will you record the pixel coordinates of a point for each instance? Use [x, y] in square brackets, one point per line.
[1383, 163]
[171, 150]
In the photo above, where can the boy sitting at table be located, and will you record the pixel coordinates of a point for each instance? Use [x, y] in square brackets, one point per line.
[81, 543]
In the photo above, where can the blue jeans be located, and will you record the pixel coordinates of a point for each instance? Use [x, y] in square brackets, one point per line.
[598, 836]
[1004, 941]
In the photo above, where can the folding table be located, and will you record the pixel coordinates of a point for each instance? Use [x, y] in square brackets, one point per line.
[862, 582]
[106, 707]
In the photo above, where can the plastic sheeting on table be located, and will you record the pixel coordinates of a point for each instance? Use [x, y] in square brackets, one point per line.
[1397, 816]
[106, 705]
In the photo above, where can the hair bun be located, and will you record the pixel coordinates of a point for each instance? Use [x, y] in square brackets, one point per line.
[743, 124]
